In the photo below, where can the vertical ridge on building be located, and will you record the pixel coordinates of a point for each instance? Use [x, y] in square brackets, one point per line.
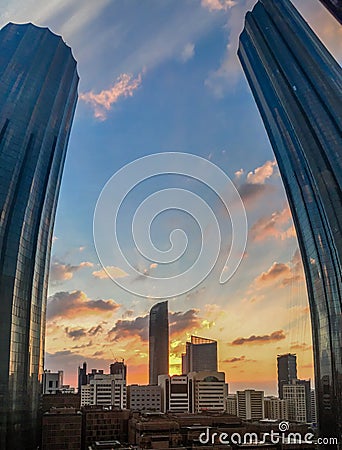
[297, 86]
[38, 95]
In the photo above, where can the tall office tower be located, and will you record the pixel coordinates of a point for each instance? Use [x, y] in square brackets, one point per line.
[201, 354]
[158, 342]
[287, 371]
[335, 7]
[82, 376]
[297, 86]
[38, 94]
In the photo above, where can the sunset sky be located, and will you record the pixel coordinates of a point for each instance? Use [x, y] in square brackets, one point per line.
[163, 76]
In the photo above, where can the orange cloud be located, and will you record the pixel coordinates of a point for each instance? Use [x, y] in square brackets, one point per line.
[61, 272]
[124, 86]
[278, 225]
[262, 173]
[110, 272]
[76, 303]
[265, 339]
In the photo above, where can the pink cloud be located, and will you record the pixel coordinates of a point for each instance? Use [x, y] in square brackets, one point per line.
[124, 86]
[278, 225]
[262, 173]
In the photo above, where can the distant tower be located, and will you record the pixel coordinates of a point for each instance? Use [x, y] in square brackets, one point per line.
[201, 354]
[82, 376]
[38, 94]
[158, 342]
[287, 371]
[119, 368]
[297, 86]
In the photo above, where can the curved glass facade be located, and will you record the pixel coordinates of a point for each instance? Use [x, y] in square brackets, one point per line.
[158, 341]
[297, 86]
[38, 94]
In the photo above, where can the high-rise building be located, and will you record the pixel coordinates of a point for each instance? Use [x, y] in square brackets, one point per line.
[158, 342]
[174, 393]
[38, 94]
[287, 370]
[295, 394]
[208, 391]
[144, 397]
[335, 7]
[82, 376]
[297, 86]
[201, 354]
[250, 404]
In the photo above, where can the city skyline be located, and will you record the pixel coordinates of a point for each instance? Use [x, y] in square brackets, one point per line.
[88, 316]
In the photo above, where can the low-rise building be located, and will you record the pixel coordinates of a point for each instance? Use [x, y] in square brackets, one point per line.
[250, 404]
[276, 408]
[144, 397]
[62, 429]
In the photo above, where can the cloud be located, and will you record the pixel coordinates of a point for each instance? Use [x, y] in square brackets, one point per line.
[137, 327]
[278, 225]
[265, 339]
[262, 173]
[238, 174]
[251, 192]
[124, 86]
[75, 333]
[110, 272]
[281, 274]
[60, 271]
[76, 303]
[188, 52]
[300, 346]
[153, 266]
[234, 360]
[95, 330]
[184, 321]
[218, 5]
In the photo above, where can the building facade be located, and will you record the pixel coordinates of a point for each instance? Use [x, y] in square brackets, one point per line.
[38, 94]
[158, 342]
[144, 398]
[52, 382]
[335, 7]
[297, 401]
[62, 429]
[297, 86]
[250, 404]
[208, 391]
[276, 408]
[174, 393]
[287, 370]
[105, 390]
[201, 354]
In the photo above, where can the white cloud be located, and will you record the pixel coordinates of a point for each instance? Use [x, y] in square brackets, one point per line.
[110, 272]
[188, 52]
[262, 173]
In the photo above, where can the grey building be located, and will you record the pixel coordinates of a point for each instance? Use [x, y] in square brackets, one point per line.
[38, 94]
[297, 86]
[201, 354]
[287, 370]
[158, 342]
[144, 397]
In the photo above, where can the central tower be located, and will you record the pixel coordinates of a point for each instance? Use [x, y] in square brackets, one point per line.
[158, 342]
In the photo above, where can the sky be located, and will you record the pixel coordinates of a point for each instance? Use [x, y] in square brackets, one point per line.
[159, 77]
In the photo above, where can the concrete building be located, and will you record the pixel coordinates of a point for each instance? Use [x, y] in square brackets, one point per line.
[201, 354]
[105, 390]
[313, 406]
[62, 429]
[276, 408]
[144, 398]
[295, 394]
[232, 404]
[208, 391]
[52, 382]
[174, 393]
[250, 404]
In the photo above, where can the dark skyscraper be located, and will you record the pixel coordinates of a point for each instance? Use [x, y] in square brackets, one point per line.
[335, 7]
[38, 94]
[158, 342]
[201, 354]
[297, 86]
[287, 371]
